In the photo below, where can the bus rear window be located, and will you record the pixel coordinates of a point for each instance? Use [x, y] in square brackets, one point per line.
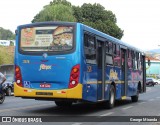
[53, 38]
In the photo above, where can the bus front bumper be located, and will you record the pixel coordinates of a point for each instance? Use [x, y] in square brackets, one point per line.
[73, 93]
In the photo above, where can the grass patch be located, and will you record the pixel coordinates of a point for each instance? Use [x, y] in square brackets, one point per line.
[6, 55]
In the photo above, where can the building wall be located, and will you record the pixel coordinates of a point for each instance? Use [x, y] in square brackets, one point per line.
[154, 69]
[6, 42]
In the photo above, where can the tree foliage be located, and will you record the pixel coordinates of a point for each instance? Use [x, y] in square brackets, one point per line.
[6, 34]
[56, 11]
[97, 17]
[93, 15]
[64, 2]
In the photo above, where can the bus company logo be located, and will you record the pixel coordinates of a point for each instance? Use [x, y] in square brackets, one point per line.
[44, 55]
[45, 67]
[6, 119]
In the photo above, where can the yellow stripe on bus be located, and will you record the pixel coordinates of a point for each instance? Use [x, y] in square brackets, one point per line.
[106, 82]
[109, 82]
[123, 97]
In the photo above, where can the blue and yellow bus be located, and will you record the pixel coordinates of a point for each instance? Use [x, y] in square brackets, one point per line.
[69, 62]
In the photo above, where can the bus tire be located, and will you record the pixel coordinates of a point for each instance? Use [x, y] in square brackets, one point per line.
[135, 97]
[63, 103]
[111, 102]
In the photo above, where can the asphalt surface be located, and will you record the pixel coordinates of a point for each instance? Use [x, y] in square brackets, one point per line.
[22, 111]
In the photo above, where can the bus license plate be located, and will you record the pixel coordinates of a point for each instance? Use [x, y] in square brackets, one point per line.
[45, 85]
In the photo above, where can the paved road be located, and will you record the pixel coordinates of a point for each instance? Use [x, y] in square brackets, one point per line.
[148, 105]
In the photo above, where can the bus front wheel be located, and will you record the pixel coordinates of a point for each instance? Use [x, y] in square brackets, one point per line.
[63, 103]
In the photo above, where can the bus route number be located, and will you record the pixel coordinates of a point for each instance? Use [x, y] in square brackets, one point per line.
[89, 68]
[26, 61]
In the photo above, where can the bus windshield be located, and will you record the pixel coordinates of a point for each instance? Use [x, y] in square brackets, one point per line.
[49, 38]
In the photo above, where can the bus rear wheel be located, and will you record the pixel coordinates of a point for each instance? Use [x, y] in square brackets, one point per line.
[135, 97]
[63, 103]
[110, 103]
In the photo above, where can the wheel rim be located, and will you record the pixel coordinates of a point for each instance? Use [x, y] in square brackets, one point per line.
[112, 97]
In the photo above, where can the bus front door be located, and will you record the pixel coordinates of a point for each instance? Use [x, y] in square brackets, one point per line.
[124, 73]
[100, 69]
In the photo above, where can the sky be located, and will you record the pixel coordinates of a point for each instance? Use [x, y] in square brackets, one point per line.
[140, 19]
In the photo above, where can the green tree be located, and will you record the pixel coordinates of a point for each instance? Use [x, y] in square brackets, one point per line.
[64, 2]
[6, 34]
[93, 15]
[97, 17]
[59, 10]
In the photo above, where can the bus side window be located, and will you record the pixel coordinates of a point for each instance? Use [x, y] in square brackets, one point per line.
[109, 57]
[141, 58]
[114, 49]
[137, 58]
[129, 59]
[107, 47]
[118, 50]
[110, 48]
[133, 59]
[90, 48]
[99, 53]
[139, 61]
[117, 61]
[122, 59]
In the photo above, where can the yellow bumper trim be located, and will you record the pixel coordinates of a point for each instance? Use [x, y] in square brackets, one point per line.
[73, 93]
